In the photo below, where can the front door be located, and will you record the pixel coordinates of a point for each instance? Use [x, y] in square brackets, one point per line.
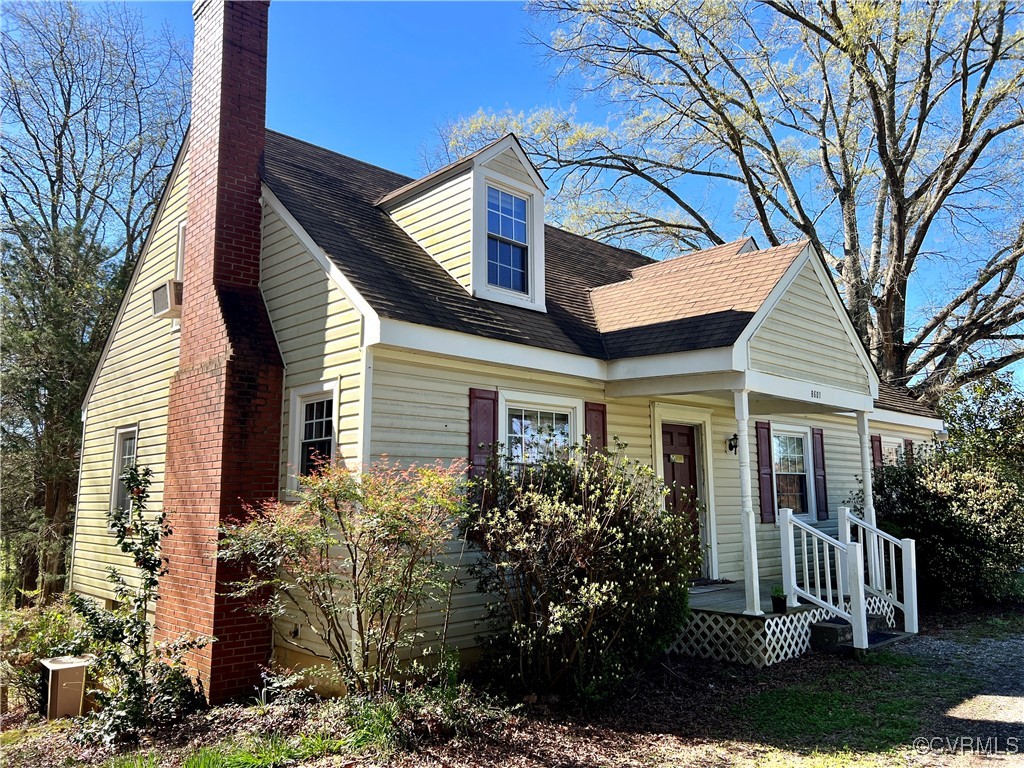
[679, 456]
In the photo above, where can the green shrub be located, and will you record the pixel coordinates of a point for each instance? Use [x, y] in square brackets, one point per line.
[356, 558]
[143, 682]
[30, 634]
[587, 569]
[967, 519]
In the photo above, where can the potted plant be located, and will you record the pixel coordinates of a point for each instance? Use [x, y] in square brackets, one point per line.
[778, 599]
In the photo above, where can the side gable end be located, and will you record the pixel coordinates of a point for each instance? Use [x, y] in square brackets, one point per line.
[803, 332]
[129, 393]
[175, 189]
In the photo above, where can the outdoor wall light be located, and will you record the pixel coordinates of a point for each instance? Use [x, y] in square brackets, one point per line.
[733, 444]
[941, 436]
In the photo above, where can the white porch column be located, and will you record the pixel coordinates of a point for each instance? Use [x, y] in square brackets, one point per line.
[866, 465]
[867, 469]
[751, 585]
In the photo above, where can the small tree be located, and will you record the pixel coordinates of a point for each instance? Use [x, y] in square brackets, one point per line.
[143, 682]
[355, 557]
[588, 568]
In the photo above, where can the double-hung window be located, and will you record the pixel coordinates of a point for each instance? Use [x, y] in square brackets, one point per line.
[534, 433]
[312, 428]
[126, 441]
[507, 244]
[534, 426]
[791, 465]
[317, 433]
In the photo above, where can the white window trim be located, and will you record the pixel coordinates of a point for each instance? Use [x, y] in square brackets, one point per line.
[298, 398]
[533, 298]
[805, 433]
[179, 265]
[119, 433]
[571, 405]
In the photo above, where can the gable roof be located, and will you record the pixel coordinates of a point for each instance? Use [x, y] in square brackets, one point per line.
[602, 302]
[508, 141]
[695, 301]
[334, 198]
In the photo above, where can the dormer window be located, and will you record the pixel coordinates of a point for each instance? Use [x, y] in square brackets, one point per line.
[482, 219]
[507, 246]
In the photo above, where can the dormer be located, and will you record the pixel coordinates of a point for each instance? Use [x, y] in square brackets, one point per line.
[482, 219]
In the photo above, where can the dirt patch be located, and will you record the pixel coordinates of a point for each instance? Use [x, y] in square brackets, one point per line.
[959, 687]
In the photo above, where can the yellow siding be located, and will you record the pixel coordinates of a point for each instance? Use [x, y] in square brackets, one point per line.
[508, 164]
[132, 388]
[803, 338]
[440, 221]
[318, 332]
[420, 413]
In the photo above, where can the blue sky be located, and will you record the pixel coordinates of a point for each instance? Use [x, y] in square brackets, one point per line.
[372, 80]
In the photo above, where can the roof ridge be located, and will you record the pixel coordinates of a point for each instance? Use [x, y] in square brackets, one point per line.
[678, 265]
[322, 148]
[673, 261]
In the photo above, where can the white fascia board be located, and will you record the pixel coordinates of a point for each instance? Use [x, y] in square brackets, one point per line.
[896, 418]
[713, 360]
[807, 392]
[510, 142]
[809, 255]
[371, 320]
[690, 384]
[438, 341]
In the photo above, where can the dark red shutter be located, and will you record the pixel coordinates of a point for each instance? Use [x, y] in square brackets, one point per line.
[596, 425]
[908, 450]
[483, 428]
[876, 451]
[765, 482]
[820, 486]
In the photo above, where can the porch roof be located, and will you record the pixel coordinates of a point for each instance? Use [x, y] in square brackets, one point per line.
[697, 300]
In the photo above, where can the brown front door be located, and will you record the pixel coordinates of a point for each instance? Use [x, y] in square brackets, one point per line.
[679, 456]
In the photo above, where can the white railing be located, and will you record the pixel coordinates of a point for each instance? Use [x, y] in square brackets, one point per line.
[892, 564]
[823, 571]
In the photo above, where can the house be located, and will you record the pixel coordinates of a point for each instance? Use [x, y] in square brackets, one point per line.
[331, 305]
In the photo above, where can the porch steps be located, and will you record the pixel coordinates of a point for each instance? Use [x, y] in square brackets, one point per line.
[836, 635]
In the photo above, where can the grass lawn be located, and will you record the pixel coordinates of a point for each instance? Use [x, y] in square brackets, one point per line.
[957, 678]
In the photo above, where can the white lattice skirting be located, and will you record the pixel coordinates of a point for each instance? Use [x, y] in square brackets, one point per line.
[759, 641]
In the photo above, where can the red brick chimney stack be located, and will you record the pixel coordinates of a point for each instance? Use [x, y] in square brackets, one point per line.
[224, 416]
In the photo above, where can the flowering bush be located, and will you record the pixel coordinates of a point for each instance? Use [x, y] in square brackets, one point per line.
[355, 557]
[588, 569]
[967, 519]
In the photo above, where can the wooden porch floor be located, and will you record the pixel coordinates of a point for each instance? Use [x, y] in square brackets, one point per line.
[731, 599]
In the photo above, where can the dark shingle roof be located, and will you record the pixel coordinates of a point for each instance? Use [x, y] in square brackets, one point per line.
[893, 398]
[334, 198]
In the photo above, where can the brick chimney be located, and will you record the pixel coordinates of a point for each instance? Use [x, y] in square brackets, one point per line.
[224, 415]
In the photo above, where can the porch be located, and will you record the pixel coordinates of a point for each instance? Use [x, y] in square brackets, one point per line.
[720, 629]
